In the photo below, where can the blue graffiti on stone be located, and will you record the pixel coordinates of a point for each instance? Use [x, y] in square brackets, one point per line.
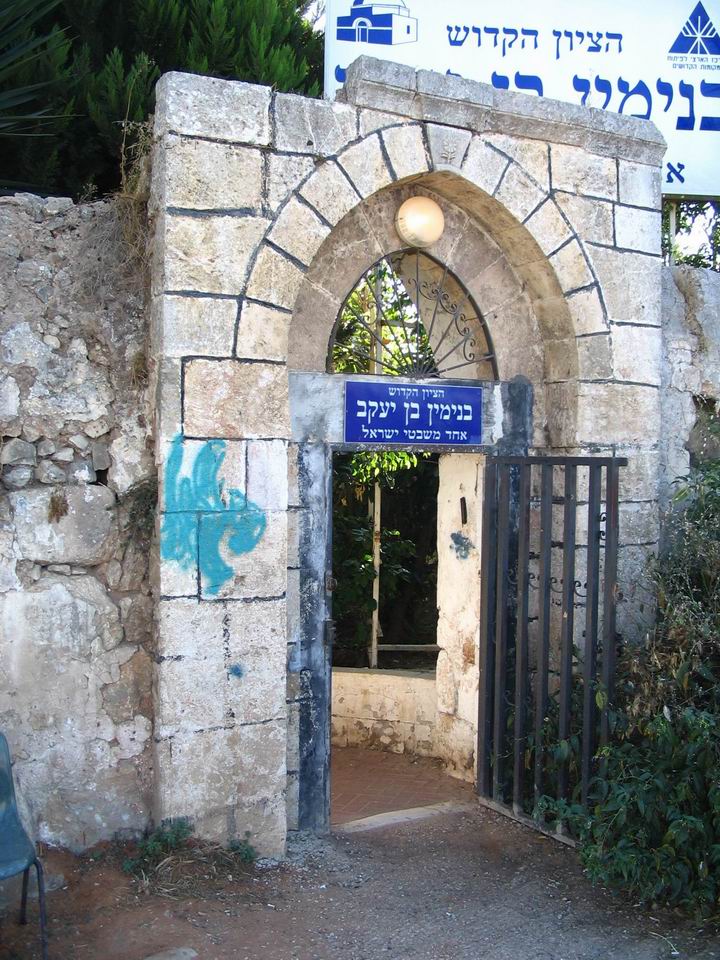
[461, 545]
[202, 519]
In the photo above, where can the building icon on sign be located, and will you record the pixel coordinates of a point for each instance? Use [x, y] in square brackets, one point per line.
[384, 23]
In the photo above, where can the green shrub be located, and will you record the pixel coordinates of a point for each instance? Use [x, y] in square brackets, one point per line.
[170, 836]
[243, 849]
[653, 824]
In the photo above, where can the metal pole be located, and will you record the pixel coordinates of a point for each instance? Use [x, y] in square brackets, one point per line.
[673, 229]
[377, 500]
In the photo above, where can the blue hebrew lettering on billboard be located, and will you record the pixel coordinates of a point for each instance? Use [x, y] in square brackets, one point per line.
[404, 413]
[383, 23]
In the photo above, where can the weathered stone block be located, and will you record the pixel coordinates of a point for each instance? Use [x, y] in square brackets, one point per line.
[578, 171]
[15, 478]
[263, 332]
[640, 184]
[616, 412]
[532, 155]
[229, 398]
[484, 166]
[188, 326]
[330, 192]
[285, 174]
[229, 781]
[405, 147]
[637, 354]
[208, 107]
[210, 255]
[47, 472]
[275, 279]
[299, 231]
[9, 399]
[631, 285]
[518, 193]
[255, 563]
[638, 229]
[240, 651]
[571, 267]
[365, 164]
[587, 312]
[319, 127]
[202, 475]
[86, 534]
[267, 473]
[548, 227]
[374, 120]
[18, 452]
[595, 357]
[448, 145]
[201, 175]
[592, 219]
[63, 636]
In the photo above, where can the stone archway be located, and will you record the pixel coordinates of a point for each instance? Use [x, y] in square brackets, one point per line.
[249, 187]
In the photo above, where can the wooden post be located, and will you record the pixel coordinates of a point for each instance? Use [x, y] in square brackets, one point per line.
[377, 500]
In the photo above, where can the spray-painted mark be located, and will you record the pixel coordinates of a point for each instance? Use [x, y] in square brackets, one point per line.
[236, 670]
[461, 545]
[203, 520]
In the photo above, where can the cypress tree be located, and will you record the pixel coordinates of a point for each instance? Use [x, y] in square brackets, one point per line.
[103, 60]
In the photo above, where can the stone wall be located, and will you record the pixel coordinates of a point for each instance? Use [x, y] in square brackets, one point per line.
[75, 604]
[266, 209]
[392, 710]
[691, 368]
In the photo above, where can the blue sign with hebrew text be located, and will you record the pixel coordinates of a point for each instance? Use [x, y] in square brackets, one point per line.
[404, 413]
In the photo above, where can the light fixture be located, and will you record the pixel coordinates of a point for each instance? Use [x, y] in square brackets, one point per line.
[420, 222]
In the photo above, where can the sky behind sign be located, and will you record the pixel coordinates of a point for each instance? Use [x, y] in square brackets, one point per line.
[658, 61]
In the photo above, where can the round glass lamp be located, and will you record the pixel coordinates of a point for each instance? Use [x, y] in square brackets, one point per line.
[420, 222]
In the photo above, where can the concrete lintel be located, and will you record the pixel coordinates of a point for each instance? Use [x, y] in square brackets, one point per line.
[454, 101]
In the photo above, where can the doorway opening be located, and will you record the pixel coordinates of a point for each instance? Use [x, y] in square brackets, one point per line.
[407, 317]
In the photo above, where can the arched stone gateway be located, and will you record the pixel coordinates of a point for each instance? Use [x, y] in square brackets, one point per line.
[267, 209]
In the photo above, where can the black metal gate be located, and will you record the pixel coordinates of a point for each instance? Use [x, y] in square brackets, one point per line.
[548, 627]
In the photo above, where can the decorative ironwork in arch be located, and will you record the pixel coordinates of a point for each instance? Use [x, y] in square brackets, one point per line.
[410, 316]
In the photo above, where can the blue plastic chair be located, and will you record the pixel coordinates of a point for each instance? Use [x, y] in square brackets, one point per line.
[17, 851]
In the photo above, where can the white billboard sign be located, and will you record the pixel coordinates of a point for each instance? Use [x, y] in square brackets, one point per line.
[658, 61]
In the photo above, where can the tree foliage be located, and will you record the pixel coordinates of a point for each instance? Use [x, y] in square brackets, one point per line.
[99, 60]
[697, 218]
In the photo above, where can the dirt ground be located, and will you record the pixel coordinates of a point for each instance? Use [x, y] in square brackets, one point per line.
[459, 886]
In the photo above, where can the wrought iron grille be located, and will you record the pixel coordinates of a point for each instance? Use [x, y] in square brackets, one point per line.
[410, 316]
[550, 540]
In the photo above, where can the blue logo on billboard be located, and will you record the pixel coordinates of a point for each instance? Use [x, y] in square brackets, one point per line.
[383, 23]
[698, 36]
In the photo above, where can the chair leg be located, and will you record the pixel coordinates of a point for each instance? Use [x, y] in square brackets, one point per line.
[23, 902]
[43, 914]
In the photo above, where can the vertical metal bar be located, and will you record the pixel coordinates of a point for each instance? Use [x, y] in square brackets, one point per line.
[377, 541]
[501, 630]
[612, 529]
[488, 573]
[521, 639]
[543, 646]
[591, 628]
[568, 617]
